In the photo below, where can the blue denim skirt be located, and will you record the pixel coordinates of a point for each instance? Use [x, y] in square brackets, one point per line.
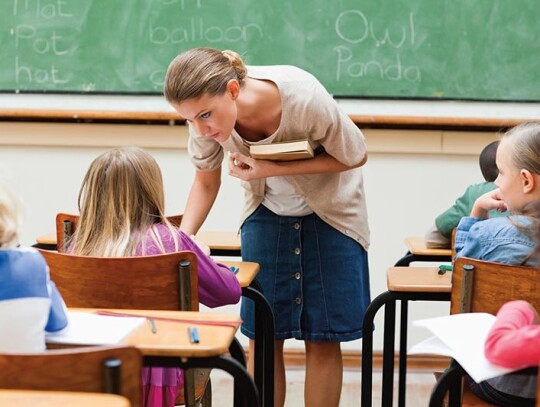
[315, 278]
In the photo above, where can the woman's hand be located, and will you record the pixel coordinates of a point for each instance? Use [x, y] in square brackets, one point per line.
[487, 202]
[247, 168]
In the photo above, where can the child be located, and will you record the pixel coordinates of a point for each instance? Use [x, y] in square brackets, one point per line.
[514, 338]
[439, 234]
[304, 221]
[30, 304]
[121, 203]
[507, 240]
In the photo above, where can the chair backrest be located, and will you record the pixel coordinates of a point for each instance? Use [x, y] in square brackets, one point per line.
[483, 286]
[66, 224]
[89, 369]
[145, 282]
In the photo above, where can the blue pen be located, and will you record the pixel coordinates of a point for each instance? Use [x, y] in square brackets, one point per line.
[193, 333]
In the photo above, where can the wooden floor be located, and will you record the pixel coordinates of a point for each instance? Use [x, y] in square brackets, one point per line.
[419, 385]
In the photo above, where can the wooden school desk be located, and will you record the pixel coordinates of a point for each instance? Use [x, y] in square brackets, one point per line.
[418, 251]
[264, 330]
[228, 243]
[220, 243]
[44, 398]
[404, 284]
[170, 345]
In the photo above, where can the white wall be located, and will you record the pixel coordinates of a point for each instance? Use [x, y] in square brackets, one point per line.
[405, 191]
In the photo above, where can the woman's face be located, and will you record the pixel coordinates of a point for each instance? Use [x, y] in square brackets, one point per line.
[509, 180]
[211, 116]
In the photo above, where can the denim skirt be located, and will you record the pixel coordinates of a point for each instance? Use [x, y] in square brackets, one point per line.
[315, 278]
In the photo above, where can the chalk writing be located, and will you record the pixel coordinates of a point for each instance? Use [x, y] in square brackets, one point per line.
[361, 34]
[28, 39]
[41, 8]
[353, 26]
[197, 31]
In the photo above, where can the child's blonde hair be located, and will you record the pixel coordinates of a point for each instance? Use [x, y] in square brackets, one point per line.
[202, 71]
[10, 217]
[120, 200]
[524, 143]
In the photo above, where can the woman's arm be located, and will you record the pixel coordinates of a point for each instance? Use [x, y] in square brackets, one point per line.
[514, 338]
[247, 168]
[202, 196]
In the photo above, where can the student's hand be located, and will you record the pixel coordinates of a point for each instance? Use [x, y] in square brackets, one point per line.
[203, 246]
[487, 202]
[247, 168]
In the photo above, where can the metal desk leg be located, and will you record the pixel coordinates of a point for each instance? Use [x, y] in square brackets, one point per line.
[388, 299]
[403, 326]
[367, 345]
[449, 382]
[409, 257]
[237, 353]
[388, 354]
[405, 260]
[264, 344]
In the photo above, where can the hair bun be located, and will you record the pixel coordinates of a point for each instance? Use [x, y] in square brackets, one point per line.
[237, 63]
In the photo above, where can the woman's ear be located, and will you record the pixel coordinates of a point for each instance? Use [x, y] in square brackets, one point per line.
[528, 181]
[233, 88]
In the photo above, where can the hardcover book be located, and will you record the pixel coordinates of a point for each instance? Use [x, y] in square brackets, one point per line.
[283, 151]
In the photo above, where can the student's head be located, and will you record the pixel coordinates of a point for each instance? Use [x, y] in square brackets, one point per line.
[10, 217]
[121, 197]
[202, 84]
[488, 162]
[518, 161]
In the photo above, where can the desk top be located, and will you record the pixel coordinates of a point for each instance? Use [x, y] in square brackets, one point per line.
[418, 279]
[417, 245]
[246, 271]
[214, 240]
[35, 398]
[48, 239]
[220, 240]
[172, 338]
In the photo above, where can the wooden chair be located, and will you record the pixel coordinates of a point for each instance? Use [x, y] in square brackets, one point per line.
[161, 282]
[88, 369]
[66, 224]
[538, 391]
[482, 286]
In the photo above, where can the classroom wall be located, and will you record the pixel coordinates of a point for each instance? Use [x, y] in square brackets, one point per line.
[410, 177]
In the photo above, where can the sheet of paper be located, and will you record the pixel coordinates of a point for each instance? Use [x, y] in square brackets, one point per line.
[92, 329]
[430, 346]
[462, 337]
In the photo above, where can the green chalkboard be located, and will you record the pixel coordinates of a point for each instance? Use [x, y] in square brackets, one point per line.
[434, 49]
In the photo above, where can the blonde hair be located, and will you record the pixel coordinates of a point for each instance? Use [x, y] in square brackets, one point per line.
[120, 200]
[202, 71]
[524, 144]
[10, 217]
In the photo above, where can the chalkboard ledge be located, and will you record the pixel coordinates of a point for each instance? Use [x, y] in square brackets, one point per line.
[364, 112]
